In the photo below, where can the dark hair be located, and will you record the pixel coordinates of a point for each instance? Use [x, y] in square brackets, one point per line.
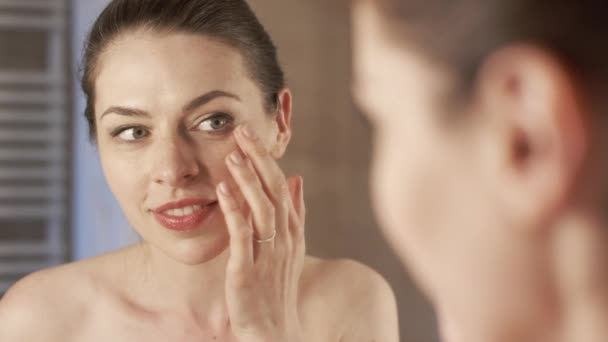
[229, 21]
[460, 34]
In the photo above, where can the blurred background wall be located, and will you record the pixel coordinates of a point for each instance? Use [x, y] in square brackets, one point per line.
[330, 148]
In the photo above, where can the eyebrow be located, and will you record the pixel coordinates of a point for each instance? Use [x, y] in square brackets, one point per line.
[125, 111]
[192, 105]
[208, 97]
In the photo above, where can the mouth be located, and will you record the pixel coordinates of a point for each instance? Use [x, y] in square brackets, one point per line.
[184, 215]
[185, 211]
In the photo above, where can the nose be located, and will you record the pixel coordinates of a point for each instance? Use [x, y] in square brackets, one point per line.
[174, 163]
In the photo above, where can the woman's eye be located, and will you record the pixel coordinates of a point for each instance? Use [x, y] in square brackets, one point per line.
[133, 133]
[215, 123]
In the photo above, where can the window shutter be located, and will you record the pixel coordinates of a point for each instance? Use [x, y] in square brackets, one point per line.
[34, 137]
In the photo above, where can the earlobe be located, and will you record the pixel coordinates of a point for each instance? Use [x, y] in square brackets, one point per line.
[535, 102]
[283, 123]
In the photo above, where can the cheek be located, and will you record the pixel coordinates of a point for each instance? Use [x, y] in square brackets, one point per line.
[393, 173]
[120, 174]
[212, 160]
[407, 193]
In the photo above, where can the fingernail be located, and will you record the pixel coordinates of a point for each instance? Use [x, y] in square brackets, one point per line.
[236, 158]
[248, 132]
[224, 189]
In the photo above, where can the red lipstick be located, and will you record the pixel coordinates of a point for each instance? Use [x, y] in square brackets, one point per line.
[184, 215]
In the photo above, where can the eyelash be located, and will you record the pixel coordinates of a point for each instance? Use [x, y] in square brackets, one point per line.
[119, 130]
[228, 125]
[229, 121]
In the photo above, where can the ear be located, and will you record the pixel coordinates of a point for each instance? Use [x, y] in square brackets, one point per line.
[536, 131]
[282, 120]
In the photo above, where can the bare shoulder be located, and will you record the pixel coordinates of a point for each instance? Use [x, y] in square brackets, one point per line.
[51, 304]
[353, 293]
[348, 276]
[41, 306]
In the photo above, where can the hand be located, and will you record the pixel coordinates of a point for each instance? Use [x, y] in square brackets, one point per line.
[262, 276]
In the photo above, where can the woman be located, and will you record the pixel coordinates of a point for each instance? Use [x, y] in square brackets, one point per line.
[490, 166]
[189, 111]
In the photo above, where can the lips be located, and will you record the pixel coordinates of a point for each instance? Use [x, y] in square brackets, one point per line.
[184, 215]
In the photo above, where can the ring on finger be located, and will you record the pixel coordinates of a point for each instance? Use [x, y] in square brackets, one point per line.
[269, 239]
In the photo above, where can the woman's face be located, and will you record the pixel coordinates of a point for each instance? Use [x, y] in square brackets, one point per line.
[433, 184]
[166, 106]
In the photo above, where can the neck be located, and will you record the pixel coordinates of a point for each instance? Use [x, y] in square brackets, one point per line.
[583, 276]
[576, 284]
[169, 286]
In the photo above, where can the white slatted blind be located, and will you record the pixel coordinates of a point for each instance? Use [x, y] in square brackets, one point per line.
[34, 136]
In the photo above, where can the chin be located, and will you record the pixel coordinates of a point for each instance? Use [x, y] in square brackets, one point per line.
[198, 246]
[199, 251]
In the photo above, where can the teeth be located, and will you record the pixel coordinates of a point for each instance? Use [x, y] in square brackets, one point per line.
[185, 211]
[188, 210]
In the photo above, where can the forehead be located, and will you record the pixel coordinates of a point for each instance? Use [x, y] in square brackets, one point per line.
[378, 58]
[368, 38]
[146, 65]
[381, 67]
[392, 76]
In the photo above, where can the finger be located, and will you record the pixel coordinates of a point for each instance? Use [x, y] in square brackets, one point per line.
[262, 209]
[241, 233]
[296, 189]
[270, 173]
[297, 210]
[296, 224]
[273, 181]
